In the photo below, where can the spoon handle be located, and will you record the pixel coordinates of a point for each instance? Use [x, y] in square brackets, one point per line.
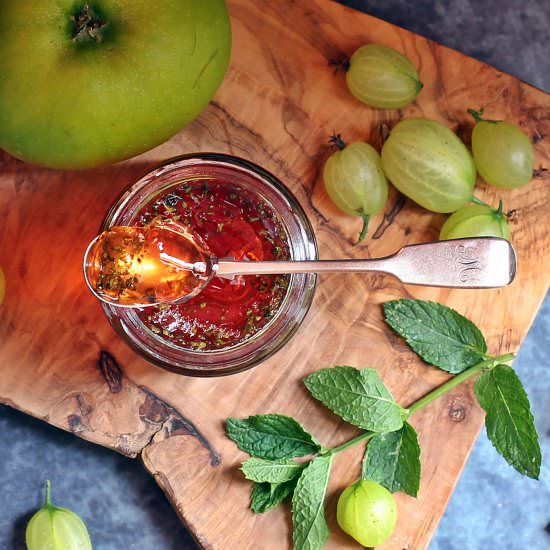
[480, 262]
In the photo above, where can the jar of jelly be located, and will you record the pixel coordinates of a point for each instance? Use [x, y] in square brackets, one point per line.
[241, 212]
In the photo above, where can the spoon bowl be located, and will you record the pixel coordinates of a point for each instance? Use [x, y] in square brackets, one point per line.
[143, 266]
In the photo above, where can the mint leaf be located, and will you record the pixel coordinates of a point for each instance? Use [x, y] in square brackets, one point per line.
[310, 530]
[271, 436]
[269, 495]
[439, 334]
[358, 396]
[509, 422]
[257, 469]
[393, 460]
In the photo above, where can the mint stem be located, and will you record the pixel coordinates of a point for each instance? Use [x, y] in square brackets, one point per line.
[449, 385]
[487, 364]
[365, 436]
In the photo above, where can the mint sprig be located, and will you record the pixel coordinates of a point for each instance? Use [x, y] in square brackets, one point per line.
[440, 336]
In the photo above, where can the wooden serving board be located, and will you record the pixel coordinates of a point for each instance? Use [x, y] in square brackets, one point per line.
[277, 107]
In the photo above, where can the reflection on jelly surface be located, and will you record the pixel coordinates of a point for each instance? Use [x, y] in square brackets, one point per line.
[233, 223]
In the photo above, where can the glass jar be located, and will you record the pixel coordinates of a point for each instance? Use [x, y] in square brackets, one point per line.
[301, 242]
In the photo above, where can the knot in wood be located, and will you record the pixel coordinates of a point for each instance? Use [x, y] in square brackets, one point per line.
[110, 371]
[457, 411]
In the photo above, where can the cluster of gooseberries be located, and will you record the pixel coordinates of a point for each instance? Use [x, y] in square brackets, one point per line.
[424, 159]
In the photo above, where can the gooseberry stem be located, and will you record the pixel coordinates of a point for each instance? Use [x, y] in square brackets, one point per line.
[47, 501]
[486, 364]
[497, 211]
[364, 229]
[476, 114]
[475, 200]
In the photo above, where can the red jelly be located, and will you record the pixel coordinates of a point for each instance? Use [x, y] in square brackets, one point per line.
[233, 223]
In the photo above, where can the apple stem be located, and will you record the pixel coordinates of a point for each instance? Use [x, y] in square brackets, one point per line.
[87, 25]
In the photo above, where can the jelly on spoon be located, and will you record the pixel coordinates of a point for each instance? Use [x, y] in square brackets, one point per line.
[143, 266]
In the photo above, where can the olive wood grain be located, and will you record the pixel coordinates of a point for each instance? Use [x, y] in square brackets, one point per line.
[62, 362]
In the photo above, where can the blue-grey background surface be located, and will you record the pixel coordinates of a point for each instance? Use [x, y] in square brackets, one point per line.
[493, 507]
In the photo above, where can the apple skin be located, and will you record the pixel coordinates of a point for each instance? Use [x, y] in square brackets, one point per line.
[83, 84]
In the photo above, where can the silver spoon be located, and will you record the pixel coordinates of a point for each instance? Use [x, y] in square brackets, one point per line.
[166, 263]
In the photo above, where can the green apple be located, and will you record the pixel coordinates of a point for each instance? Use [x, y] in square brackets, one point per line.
[89, 83]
